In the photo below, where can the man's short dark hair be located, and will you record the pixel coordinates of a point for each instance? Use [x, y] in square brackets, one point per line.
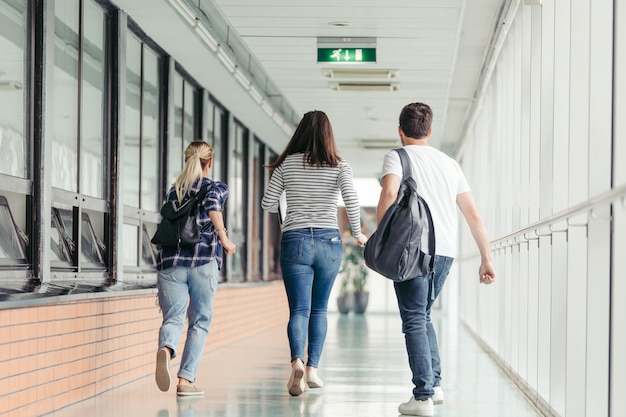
[416, 120]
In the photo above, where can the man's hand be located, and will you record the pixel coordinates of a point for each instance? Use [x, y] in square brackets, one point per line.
[487, 273]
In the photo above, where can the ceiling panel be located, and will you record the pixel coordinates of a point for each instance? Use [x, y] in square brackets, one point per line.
[436, 46]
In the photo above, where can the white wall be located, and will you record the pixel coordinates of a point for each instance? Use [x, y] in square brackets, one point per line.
[547, 138]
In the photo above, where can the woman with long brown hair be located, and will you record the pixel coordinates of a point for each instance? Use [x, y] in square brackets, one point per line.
[312, 175]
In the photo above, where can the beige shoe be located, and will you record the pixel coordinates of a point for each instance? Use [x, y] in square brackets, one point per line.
[296, 384]
[312, 379]
[188, 391]
[162, 372]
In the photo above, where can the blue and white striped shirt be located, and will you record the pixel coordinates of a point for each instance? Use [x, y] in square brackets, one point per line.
[312, 194]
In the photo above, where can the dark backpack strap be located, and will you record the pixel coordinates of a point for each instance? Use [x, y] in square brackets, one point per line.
[429, 258]
[404, 161]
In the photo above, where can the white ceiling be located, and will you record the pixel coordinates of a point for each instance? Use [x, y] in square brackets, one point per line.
[437, 47]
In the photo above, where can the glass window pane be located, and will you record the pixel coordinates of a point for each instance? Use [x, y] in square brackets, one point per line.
[217, 144]
[60, 238]
[132, 141]
[13, 145]
[150, 133]
[188, 127]
[235, 203]
[65, 97]
[11, 250]
[209, 122]
[256, 235]
[175, 154]
[93, 166]
[129, 252]
[148, 250]
[92, 250]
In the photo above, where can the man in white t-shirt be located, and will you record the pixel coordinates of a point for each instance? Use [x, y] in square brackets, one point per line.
[440, 181]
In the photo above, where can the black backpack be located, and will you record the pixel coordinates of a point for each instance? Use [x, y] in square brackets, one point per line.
[179, 226]
[395, 249]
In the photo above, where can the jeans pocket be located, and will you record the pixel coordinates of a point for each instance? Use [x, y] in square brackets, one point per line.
[291, 248]
[332, 249]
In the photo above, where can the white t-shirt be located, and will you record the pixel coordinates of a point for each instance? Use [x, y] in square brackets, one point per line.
[439, 180]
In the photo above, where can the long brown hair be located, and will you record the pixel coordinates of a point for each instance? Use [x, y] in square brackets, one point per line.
[197, 155]
[313, 137]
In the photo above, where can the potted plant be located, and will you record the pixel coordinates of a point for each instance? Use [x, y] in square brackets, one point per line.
[345, 298]
[355, 277]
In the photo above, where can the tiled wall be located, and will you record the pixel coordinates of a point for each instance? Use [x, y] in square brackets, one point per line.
[60, 353]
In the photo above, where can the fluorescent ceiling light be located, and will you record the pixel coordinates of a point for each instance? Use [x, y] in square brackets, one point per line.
[360, 73]
[10, 85]
[278, 119]
[268, 109]
[354, 86]
[206, 36]
[287, 129]
[184, 10]
[255, 94]
[226, 60]
[241, 77]
[379, 143]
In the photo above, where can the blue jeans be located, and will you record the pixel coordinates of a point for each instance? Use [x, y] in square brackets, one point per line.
[310, 260]
[415, 299]
[187, 292]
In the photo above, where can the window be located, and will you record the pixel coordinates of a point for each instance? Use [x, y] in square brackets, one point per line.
[79, 110]
[215, 122]
[64, 245]
[256, 229]
[142, 149]
[12, 240]
[78, 101]
[13, 143]
[186, 95]
[236, 204]
[273, 231]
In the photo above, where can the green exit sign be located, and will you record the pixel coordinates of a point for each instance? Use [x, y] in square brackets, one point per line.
[346, 55]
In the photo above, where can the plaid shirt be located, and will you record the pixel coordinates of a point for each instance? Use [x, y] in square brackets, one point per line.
[210, 249]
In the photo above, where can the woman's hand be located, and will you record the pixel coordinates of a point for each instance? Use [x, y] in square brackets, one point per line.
[229, 247]
[361, 240]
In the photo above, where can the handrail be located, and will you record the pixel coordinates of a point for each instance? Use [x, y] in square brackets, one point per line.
[614, 194]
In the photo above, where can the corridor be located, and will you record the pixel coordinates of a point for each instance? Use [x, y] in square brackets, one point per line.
[364, 367]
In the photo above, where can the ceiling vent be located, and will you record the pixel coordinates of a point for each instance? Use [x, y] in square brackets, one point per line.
[363, 86]
[379, 143]
[369, 74]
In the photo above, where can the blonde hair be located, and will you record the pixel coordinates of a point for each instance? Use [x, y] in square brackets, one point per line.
[197, 156]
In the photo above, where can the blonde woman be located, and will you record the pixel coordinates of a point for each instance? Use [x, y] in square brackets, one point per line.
[188, 275]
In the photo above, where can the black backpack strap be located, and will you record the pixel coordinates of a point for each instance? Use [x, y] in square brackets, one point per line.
[429, 258]
[406, 164]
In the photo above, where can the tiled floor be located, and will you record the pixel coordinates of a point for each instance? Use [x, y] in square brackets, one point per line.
[364, 366]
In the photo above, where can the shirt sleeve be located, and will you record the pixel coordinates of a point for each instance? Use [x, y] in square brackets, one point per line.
[392, 165]
[274, 189]
[216, 196]
[350, 198]
[463, 185]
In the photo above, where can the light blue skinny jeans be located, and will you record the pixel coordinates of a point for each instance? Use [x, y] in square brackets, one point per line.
[415, 300]
[310, 260]
[187, 292]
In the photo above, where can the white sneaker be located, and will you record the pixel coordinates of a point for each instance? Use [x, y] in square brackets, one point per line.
[415, 407]
[438, 396]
